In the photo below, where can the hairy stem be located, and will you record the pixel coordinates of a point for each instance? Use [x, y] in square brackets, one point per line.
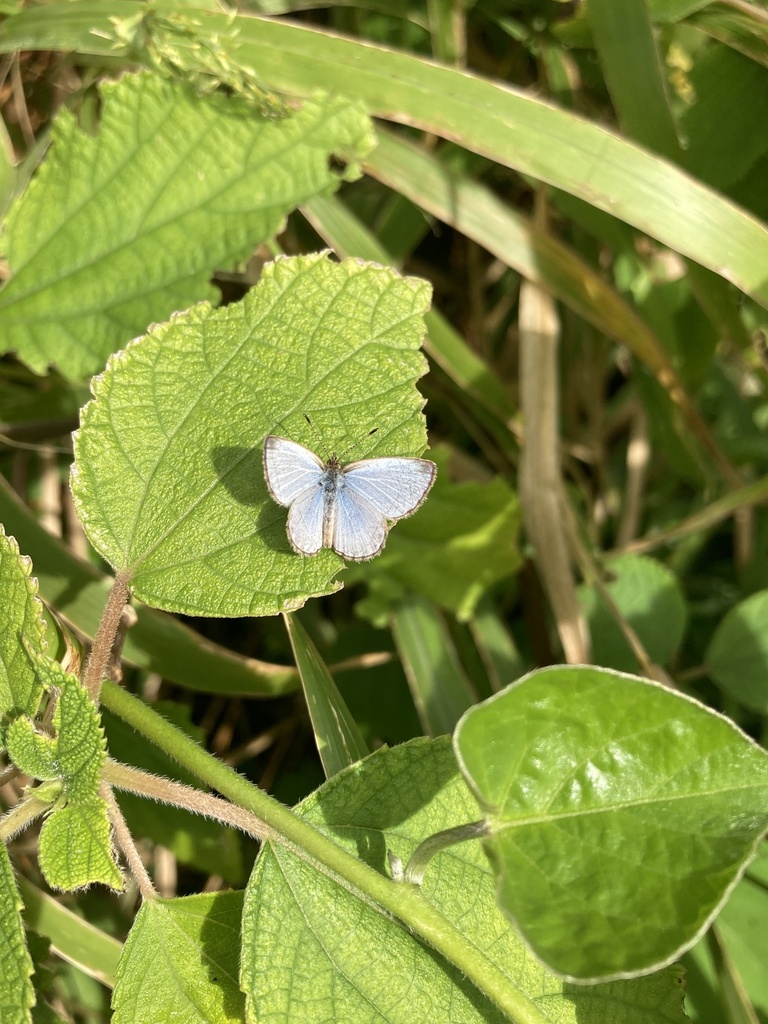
[127, 845]
[123, 776]
[23, 814]
[101, 652]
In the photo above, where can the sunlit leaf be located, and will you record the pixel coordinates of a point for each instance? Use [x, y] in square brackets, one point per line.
[75, 848]
[169, 478]
[201, 181]
[16, 993]
[358, 964]
[621, 814]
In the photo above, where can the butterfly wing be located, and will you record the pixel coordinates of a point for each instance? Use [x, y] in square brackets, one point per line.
[394, 487]
[290, 469]
[359, 530]
[305, 521]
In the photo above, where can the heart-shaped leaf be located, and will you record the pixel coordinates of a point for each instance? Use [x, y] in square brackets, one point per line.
[169, 478]
[621, 813]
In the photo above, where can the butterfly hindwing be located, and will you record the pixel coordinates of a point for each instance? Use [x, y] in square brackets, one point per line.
[305, 521]
[290, 469]
[359, 529]
[395, 487]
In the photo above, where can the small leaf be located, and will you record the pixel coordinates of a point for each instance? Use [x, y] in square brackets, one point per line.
[201, 181]
[182, 953]
[75, 847]
[621, 813]
[31, 751]
[313, 952]
[20, 619]
[737, 656]
[648, 596]
[169, 478]
[461, 542]
[16, 993]
[76, 754]
[81, 749]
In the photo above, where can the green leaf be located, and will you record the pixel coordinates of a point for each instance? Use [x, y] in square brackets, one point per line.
[459, 543]
[77, 753]
[21, 619]
[168, 476]
[724, 127]
[201, 181]
[338, 738]
[622, 814]
[504, 124]
[16, 993]
[648, 596]
[737, 656]
[75, 848]
[182, 953]
[358, 964]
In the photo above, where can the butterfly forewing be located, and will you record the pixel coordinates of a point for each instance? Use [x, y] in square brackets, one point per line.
[395, 487]
[290, 469]
[359, 529]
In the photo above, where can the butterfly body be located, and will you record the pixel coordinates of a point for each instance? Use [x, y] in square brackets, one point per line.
[346, 508]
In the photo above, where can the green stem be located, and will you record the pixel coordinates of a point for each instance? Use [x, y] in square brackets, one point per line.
[424, 852]
[23, 814]
[405, 902]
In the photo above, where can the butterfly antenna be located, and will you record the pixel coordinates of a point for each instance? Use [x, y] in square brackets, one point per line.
[354, 444]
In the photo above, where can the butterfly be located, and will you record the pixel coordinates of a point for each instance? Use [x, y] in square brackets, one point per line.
[346, 508]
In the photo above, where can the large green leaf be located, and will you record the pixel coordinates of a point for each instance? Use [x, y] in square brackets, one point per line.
[358, 964]
[168, 475]
[123, 228]
[181, 957]
[622, 814]
[16, 993]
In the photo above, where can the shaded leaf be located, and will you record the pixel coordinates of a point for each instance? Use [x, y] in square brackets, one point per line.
[182, 953]
[737, 656]
[649, 597]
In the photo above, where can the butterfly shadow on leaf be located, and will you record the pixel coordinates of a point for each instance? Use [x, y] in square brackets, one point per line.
[240, 470]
